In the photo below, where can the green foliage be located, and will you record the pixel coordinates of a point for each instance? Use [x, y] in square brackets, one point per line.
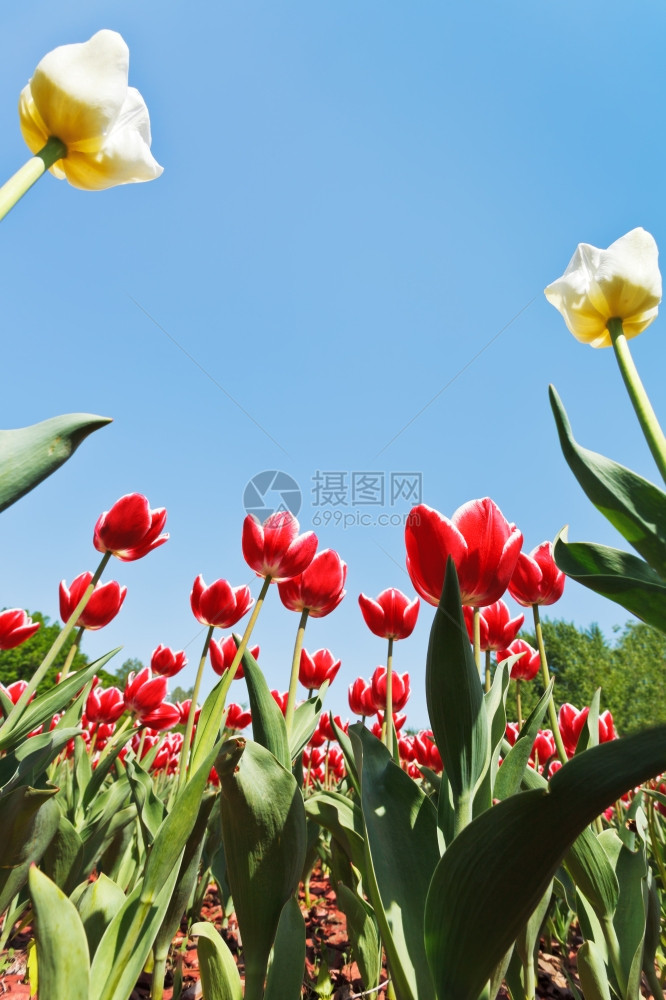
[21, 663]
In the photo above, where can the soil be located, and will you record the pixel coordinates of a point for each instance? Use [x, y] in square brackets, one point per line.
[326, 936]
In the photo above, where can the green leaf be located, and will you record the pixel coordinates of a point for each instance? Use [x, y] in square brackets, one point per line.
[512, 770]
[30, 454]
[593, 873]
[306, 717]
[263, 824]
[363, 934]
[496, 870]
[150, 810]
[455, 700]
[343, 818]
[592, 972]
[617, 575]
[219, 974]
[98, 904]
[45, 706]
[63, 857]
[31, 758]
[636, 507]
[630, 916]
[268, 725]
[286, 973]
[30, 818]
[402, 843]
[62, 948]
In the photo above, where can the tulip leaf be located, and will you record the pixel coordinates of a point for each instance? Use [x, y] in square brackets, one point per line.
[286, 973]
[343, 818]
[629, 919]
[62, 948]
[30, 818]
[493, 875]
[30, 454]
[363, 934]
[402, 845]
[264, 830]
[268, 725]
[617, 575]
[512, 771]
[97, 905]
[219, 973]
[44, 707]
[455, 700]
[633, 505]
[306, 717]
[31, 758]
[149, 808]
[63, 857]
[592, 972]
[593, 873]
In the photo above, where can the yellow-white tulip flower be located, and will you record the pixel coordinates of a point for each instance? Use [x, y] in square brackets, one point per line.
[622, 282]
[79, 95]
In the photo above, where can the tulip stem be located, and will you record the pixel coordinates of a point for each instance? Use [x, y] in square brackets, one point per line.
[519, 707]
[222, 689]
[388, 708]
[189, 726]
[48, 660]
[73, 649]
[545, 673]
[486, 677]
[477, 638]
[295, 664]
[647, 418]
[20, 182]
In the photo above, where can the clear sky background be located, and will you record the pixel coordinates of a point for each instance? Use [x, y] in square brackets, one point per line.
[340, 270]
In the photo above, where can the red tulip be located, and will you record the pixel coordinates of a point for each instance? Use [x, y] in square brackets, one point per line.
[220, 604]
[606, 727]
[571, 722]
[399, 688]
[130, 530]
[275, 548]
[529, 664]
[222, 653]
[165, 663]
[320, 588]
[15, 627]
[536, 579]
[15, 690]
[316, 668]
[361, 697]
[143, 692]
[399, 719]
[544, 748]
[426, 752]
[237, 718]
[105, 705]
[497, 627]
[392, 615]
[482, 543]
[281, 700]
[184, 709]
[327, 730]
[165, 716]
[103, 606]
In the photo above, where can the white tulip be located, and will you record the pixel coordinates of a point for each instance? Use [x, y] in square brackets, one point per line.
[79, 94]
[622, 282]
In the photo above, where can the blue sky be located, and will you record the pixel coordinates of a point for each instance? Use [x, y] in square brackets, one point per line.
[360, 207]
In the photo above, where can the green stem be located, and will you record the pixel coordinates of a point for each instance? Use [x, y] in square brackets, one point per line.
[646, 416]
[73, 649]
[17, 185]
[656, 846]
[519, 707]
[613, 946]
[157, 982]
[486, 677]
[295, 664]
[545, 673]
[48, 660]
[388, 708]
[217, 709]
[476, 632]
[189, 726]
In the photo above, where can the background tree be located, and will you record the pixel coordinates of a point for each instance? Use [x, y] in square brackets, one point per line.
[22, 662]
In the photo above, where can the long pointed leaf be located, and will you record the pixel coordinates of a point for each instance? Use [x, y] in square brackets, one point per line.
[30, 454]
[62, 948]
[494, 873]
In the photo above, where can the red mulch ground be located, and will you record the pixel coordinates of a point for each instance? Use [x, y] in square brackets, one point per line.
[326, 935]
